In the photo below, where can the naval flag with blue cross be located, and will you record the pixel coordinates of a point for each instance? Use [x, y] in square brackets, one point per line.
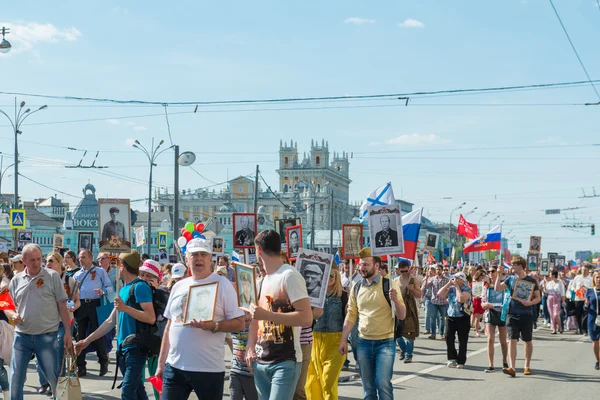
[382, 196]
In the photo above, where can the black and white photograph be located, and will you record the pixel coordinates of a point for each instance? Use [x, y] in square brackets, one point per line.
[523, 290]
[545, 267]
[352, 240]
[315, 267]
[281, 226]
[59, 240]
[432, 240]
[218, 244]
[385, 229]
[560, 262]
[294, 240]
[114, 219]
[140, 236]
[85, 241]
[244, 228]
[163, 256]
[172, 258]
[201, 301]
[25, 236]
[552, 258]
[535, 244]
[533, 260]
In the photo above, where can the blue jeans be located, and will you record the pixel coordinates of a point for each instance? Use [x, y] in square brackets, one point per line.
[376, 360]
[276, 381]
[406, 345]
[438, 313]
[427, 302]
[60, 356]
[3, 376]
[132, 364]
[353, 341]
[178, 384]
[24, 346]
[545, 308]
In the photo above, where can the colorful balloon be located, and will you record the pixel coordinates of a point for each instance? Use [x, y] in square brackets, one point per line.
[182, 241]
[200, 227]
[183, 249]
[188, 236]
[189, 226]
[196, 234]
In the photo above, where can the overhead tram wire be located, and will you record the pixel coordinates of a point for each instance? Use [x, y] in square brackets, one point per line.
[48, 187]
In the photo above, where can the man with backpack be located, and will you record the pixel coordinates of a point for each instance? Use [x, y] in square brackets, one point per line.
[375, 301]
[135, 317]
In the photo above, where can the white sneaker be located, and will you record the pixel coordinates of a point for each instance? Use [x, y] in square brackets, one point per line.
[460, 366]
[451, 364]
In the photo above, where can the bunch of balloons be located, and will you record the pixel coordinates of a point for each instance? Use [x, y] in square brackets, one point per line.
[189, 232]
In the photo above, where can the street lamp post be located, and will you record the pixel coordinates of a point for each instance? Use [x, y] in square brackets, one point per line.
[450, 225]
[20, 116]
[152, 156]
[471, 212]
[5, 45]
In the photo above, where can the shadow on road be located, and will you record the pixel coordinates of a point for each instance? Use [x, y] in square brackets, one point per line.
[562, 376]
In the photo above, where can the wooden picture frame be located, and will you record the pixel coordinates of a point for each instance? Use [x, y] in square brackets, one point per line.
[201, 302]
[243, 237]
[351, 248]
[85, 238]
[545, 267]
[535, 244]
[245, 273]
[533, 261]
[58, 240]
[523, 290]
[218, 245]
[293, 247]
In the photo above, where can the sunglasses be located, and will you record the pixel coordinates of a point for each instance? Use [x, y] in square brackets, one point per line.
[332, 275]
[404, 271]
[49, 261]
[491, 271]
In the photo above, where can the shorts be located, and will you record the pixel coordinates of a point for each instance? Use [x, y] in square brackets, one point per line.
[520, 325]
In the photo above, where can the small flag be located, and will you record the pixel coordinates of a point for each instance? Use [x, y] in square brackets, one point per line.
[491, 241]
[235, 256]
[382, 196]
[337, 258]
[467, 229]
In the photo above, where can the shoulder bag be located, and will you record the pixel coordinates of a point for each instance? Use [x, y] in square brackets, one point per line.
[69, 387]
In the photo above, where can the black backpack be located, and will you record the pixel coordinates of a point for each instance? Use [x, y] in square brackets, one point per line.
[385, 286]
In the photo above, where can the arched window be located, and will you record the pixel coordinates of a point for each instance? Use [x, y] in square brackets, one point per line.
[318, 187]
[286, 160]
[318, 160]
[285, 188]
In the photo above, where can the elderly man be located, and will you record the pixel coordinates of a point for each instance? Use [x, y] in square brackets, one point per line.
[245, 236]
[93, 284]
[113, 227]
[313, 275]
[41, 304]
[106, 264]
[386, 237]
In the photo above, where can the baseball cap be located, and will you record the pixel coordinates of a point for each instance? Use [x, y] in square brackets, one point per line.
[151, 267]
[313, 268]
[222, 270]
[460, 275]
[198, 245]
[178, 270]
[17, 258]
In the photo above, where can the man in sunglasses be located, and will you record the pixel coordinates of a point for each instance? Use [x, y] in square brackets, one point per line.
[439, 303]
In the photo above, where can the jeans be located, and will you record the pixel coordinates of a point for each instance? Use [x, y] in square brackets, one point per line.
[438, 311]
[581, 316]
[276, 381]
[60, 356]
[376, 360]
[354, 340]
[406, 345]
[462, 326]
[3, 376]
[427, 303]
[178, 384]
[545, 308]
[24, 346]
[131, 364]
[241, 387]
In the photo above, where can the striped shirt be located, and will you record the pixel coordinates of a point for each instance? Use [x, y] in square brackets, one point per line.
[436, 283]
[306, 336]
[238, 361]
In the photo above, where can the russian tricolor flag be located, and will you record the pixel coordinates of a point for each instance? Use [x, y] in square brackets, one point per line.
[411, 226]
[491, 241]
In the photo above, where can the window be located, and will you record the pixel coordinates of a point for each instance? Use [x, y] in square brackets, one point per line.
[318, 187]
[285, 178]
[195, 209]
[285, 188]
[162, 208]
[286, 160]
[318, 160]
[320, 207]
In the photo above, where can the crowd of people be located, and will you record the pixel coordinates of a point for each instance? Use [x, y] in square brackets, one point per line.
[282, 347]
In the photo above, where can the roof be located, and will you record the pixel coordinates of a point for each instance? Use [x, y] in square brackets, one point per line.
[36, 219]
[51, 202]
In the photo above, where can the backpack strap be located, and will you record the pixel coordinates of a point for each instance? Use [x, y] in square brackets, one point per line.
[385, 286]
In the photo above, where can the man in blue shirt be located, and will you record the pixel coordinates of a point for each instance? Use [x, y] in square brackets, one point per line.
[93, 283]
[131, 360]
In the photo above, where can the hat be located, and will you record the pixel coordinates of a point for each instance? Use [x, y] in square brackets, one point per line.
[17, 258]
[198, 245]
[313, 268]
[365, 252]
[222, 270]
[461, 276]
[178, 270]
[151, 267]
[132, 260]
[113, 210]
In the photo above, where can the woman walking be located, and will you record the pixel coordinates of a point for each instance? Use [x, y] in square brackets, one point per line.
[459, 305]
[495, 305]
[555, 292]
[477, 309]
[411, 291]
[592, 304]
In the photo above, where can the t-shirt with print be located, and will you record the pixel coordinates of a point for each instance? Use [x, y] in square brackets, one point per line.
[515, 307]
[456, 309]
[238, 361]
[194, 349]
[143, 294]
[277, 343]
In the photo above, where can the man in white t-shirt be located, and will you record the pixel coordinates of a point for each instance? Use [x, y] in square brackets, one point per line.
[192, 356]
[273, 350]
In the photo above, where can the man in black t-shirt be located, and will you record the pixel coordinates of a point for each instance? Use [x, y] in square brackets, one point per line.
[525, 294]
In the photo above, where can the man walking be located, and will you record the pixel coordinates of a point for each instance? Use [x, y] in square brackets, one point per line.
[41, 303]
[521, 313]
[375, 301]
[438, 307]
[192, 355]
[93, 284]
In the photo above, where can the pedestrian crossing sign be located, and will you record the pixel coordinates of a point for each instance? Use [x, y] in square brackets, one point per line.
[162, 240]
[17, 219]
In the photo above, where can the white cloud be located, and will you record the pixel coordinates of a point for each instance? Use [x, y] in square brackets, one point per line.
[129, 142]
[24, 36]
[113, 121]
[411, 23]
[140, 128]
[359, 21]
[417, 139]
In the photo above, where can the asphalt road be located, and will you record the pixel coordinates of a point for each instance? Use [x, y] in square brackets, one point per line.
[562, 366]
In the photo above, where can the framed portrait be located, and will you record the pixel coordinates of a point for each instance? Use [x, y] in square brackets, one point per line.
[115, 225]
[533, 260]
[552, 258]
[59, 240]
[163, 256]
[281, 226]
[477, 289]
[545, 267]
[244, 230]
[560, 262]
[172, 258]
[85, 241]
[352, 240]
[293, 236]
[20, 245]
[432, 240]
[535, 244]
[315, 267]
[245, 282]
[201, 302]
[218, 244]
[25, 236]
[140, 236]
[523, 290]
[385, 230]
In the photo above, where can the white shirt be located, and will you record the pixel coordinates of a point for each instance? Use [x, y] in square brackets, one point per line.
[579, 281]
[555, 288]
[194, 349]
[345, 280]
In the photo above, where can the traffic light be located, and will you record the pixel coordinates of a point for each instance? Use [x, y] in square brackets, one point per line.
[593, 229]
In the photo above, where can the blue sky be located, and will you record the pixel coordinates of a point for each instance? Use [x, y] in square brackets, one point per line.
[436, 147]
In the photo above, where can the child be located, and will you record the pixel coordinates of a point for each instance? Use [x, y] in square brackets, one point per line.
[241, 380]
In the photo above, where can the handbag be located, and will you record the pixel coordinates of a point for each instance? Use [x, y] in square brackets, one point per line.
[69, 387]
[104, 310]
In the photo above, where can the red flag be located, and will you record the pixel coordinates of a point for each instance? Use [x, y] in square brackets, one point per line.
[6, 302]
[467, 229]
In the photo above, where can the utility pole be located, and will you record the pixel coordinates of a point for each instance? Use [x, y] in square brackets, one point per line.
[256, 190]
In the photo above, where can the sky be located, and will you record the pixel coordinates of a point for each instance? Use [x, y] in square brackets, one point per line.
[513, 154]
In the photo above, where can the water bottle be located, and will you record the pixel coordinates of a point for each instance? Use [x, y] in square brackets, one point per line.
[70, 304]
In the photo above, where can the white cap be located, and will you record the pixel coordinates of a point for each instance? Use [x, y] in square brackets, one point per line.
[198, 245]
[17, 258]
[178, 270]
